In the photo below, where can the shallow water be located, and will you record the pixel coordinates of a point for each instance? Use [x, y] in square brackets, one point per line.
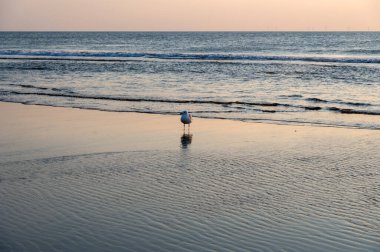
[304, 195]
[289, 78]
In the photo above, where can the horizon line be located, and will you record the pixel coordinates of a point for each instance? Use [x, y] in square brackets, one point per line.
[167, 31]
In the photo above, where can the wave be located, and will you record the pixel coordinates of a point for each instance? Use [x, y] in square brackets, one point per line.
[64, 92]
[291, 96]
[353, 111]
[358, 104]
[316, 100]
[223, 103]
[31, 87]
[367, 51]
[188, 56]
[116, 98]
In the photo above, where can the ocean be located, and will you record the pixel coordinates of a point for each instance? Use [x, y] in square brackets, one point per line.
[303, 78]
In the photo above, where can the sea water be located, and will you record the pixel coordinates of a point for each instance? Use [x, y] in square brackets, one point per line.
[318, 78]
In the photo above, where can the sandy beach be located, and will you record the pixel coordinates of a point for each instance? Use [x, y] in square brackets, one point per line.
[86, 180]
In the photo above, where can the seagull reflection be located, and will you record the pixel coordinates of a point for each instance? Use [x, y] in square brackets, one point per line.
[186, 140]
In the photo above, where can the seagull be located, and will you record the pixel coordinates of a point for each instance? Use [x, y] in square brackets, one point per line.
[186, 118]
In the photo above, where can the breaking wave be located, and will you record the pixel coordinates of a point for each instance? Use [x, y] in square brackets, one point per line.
[186, 56]
[232, 104]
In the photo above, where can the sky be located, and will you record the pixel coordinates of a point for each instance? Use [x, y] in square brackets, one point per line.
[189, 15]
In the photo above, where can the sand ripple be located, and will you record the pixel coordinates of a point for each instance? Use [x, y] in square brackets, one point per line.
[193, 201]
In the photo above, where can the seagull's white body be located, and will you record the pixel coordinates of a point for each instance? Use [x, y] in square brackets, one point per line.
[186, 118]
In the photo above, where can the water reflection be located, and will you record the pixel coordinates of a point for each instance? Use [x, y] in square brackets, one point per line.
[186, 140]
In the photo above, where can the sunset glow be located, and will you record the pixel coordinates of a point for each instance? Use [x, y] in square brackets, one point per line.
[190, 15]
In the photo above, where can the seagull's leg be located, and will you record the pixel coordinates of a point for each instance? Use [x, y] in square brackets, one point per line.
[184, 128]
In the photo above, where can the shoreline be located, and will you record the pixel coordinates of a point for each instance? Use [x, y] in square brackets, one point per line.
[244, 120]
[39, 130]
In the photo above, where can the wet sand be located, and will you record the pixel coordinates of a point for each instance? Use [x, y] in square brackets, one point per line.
[83, 180]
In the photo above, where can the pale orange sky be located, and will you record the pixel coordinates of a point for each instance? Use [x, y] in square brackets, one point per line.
[189, 15]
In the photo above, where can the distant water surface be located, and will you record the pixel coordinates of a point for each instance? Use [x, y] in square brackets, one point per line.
[330, 79]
